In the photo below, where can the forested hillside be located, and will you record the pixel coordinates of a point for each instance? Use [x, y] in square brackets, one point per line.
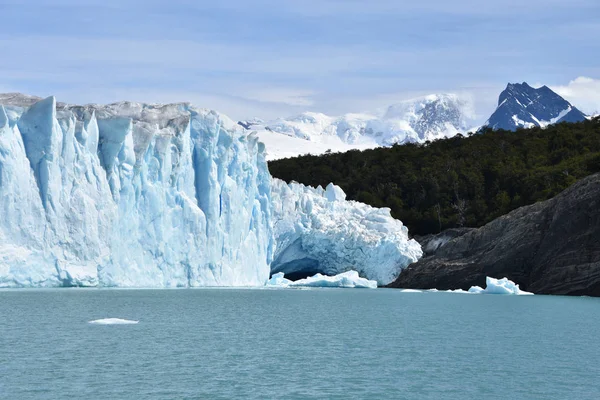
[462, 181]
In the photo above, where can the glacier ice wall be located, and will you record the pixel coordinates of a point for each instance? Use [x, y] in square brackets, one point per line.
[318, 231]
[140, 195]
[131, 194]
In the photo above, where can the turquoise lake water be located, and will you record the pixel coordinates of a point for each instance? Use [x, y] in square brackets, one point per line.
[321, 343]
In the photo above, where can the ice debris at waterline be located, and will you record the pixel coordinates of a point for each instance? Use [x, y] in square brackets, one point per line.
[499, 286]
[146, 195]
[493, 286]
[113, 321]
[349, 279]
[318, 230]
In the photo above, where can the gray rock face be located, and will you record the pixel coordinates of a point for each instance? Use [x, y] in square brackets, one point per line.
[431, 243]
[552, 247]
[521, 106]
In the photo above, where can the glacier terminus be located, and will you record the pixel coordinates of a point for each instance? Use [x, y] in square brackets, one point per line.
[147, 195]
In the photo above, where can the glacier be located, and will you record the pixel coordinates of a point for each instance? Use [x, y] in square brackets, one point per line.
[318, 231]
[151, 195]
[131, 194]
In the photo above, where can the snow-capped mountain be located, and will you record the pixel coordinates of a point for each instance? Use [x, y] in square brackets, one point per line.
[522, 106]
[429, 118]
[418, 120]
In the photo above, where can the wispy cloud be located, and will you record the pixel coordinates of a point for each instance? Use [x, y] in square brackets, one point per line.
[334, 8]
[263, 57]
[292, 97]
[583, 92]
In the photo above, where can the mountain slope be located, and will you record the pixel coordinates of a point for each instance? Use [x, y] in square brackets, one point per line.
[413, 121]
[521, 106]
[550, 247]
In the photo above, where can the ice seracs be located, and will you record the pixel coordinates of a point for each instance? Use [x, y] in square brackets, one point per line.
[151, 195]
[318, 231]
[130, 194]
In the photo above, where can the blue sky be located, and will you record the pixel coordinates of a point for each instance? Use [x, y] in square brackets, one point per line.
[272, 58]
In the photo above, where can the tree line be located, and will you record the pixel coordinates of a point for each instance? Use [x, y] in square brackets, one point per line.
[464, 181]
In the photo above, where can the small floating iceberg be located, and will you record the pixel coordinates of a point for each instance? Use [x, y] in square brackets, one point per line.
[499, 286]
[113, 321]
[493, 286]
[349, 279]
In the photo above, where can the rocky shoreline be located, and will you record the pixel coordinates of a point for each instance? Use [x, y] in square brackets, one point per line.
[551, 247]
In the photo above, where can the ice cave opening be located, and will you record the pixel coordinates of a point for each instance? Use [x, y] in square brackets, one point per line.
[299, 269]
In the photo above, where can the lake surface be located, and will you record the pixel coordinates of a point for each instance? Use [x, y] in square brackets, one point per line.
[322, 343]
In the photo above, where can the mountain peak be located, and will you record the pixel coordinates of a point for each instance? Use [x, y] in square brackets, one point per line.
[522, 106]
[523, 85]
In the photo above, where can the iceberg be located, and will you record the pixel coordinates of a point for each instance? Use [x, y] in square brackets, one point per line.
[113, 321]
[493, 286]
[318, 231]
[349, 279]
[499, 286]
[131, 194]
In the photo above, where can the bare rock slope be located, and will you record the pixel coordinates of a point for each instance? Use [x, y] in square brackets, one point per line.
[552, 247]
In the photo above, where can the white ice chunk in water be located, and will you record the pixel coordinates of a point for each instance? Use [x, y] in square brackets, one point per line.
[278, 279]
[113, 321]
[499, 286]
[349, 279]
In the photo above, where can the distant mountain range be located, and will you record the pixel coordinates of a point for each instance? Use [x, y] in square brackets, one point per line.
[418, 120]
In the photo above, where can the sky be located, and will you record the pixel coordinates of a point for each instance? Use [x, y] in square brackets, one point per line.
[273, 58]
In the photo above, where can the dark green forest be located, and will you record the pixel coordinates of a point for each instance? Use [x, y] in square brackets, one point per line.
[462, 181]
